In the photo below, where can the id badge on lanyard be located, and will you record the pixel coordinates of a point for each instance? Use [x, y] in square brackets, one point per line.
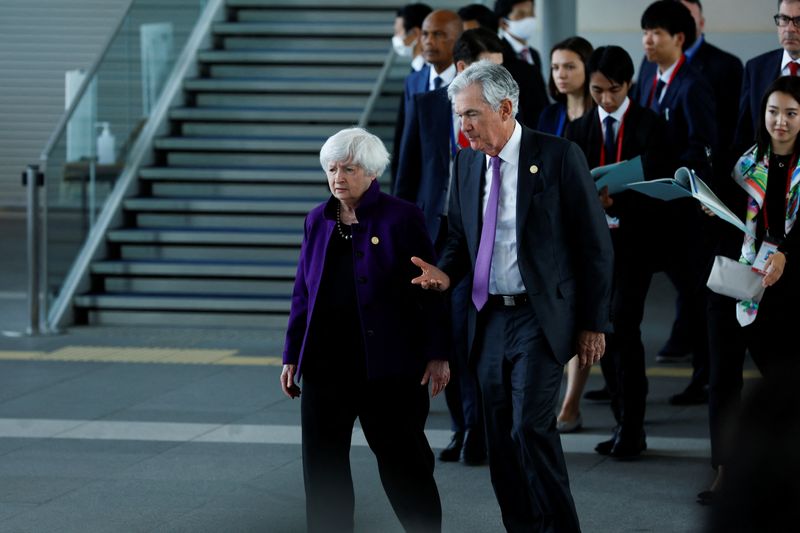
[768, 247]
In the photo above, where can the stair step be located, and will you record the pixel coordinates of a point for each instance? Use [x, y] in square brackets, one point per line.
[189, 284]
[226, 85]
[179, 302]
[212, 205]
[207, 236]
[318, 28]
[389, 101]
[322, 57]
[300, 72]
[220, 269]
[234, 175]
[128, 318]
[255, 114]
[144, 251]
[242, 41]
[316, 192]
[244, 160]
[194, 221]
[253, 130]
[243, 144]
[330, 11]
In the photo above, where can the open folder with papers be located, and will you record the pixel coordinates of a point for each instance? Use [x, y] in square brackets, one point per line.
[618, 175]
[687, 184]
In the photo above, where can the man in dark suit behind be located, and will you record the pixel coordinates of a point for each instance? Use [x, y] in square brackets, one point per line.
[762, 70]
[532, 90]
[440, 29]
[532, 235]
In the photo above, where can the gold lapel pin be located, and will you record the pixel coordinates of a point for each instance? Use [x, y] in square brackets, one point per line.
[534, 169]
[374, 240]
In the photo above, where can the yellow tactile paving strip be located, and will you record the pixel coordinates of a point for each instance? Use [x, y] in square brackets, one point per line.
[196, 356]
[120, 354]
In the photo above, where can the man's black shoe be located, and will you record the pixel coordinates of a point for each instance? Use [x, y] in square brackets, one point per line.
[604, 448]
[706, 497]
[474, 450]
[598, 395]
[626, 447]
[690, 396]
[452, 452]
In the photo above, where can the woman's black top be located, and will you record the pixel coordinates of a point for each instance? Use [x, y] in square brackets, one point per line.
[335, 339]
[776, 198]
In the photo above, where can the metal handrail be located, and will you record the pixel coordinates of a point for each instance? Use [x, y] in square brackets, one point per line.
[76, 100]
[377, 89]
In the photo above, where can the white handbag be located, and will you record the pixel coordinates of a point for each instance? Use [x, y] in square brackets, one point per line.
[734, 279]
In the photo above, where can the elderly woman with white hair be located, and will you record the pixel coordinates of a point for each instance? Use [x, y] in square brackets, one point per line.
[365, 340]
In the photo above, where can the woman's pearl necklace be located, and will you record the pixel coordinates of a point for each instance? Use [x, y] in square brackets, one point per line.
[339, 226]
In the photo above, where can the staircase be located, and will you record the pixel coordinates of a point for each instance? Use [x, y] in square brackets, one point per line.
[214, 235]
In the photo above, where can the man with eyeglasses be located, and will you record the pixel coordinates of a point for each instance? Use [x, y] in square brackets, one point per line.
[764, 69]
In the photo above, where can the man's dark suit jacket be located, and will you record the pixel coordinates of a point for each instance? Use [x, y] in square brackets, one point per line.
[423, 170]
[532, 88]
[564, 248]
[689, 112]
[642, 135]
[415, 83]
[723, 71]
[759, 73]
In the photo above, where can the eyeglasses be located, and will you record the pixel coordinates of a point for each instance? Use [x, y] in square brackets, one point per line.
[783, 21]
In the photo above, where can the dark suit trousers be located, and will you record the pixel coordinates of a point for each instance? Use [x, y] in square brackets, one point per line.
[392, 413]
[670, 244]
[520, 380]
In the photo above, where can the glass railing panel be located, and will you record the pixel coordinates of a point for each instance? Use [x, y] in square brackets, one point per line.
[88, 154]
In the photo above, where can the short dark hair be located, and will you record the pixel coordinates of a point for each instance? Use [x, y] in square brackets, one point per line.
[485, 17]
[613, 62]
[785, 84]
[584, 49]
[503, 7]
[673, 17]
[473, 43]
[413, 15]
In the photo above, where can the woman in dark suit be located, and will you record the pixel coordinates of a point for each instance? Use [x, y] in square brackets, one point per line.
[766, 188]
[618, 130]
[365, 340]
[568, 85]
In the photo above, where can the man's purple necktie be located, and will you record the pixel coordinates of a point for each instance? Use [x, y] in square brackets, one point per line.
[483, 263]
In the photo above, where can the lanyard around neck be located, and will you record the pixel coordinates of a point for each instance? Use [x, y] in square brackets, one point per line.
[653, 94]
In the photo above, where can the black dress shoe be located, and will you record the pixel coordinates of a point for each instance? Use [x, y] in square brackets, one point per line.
[706, 497]
[628, 447]
[474, 450]
[690, 396]
[598, 395]
[604, 448]
[452, 452]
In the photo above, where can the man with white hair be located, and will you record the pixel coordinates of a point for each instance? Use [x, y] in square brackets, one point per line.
[526, 226]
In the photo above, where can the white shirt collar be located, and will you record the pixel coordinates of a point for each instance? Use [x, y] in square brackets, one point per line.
[510, 152]
[618, 114]
[785, 60]
[447, 76]
[515, 44]
[668, 73]
[417, 63]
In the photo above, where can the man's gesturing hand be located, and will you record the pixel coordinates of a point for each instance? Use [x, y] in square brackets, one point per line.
[431, 277]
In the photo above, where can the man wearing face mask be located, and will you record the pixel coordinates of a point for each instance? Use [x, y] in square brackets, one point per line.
[407, 31]
[517, 27]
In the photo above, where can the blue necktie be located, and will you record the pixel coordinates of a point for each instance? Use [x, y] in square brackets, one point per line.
[437, 82]
[655, 105]
[609, 144]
